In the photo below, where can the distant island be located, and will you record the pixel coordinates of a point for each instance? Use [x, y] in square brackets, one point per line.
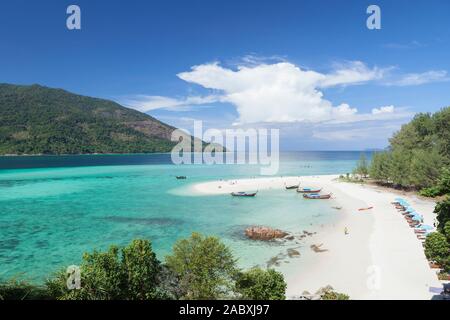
[40, 120]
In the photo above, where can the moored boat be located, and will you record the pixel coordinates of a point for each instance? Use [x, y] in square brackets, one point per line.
[244, 194]
[295, 186]
[308, 190]
[181, 177]
[316, 196]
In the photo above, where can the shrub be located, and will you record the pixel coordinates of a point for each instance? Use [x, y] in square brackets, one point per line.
[258, 284]
[129, 274]
[447, 230]
[437, 248]
[328, 293]
[22, 290]
[443, 213]
[205, 267]
[430, 192]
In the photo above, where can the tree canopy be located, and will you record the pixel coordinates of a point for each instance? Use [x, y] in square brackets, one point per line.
[418, 156]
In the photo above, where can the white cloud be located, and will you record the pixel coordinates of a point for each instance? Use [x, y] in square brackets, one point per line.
[145, 103]
[415, 79]
[280, 92]
[354, 72]
[381, 110]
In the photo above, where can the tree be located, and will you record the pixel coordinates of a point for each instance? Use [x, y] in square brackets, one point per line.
[447, 230]
[362, 167]
[258, 284]
[205, 267]
[437, 248]
[417, 155]
[425, 168]
[444, 181]
[442, 210]
[379, 168]
[140, 270]
[129, 274]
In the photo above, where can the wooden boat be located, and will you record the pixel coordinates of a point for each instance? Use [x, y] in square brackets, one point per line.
[295, 186]
[363, 209]
[316, 196]
[308, 190]
[181, 177]
[243, 194]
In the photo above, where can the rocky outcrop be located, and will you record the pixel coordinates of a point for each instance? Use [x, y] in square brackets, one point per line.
[264, 233]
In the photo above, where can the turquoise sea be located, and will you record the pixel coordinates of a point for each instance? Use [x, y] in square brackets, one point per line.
[54, 208]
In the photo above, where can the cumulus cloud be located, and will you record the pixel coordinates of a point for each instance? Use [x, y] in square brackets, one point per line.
[280, 92]
[415, 79]
[381, 110]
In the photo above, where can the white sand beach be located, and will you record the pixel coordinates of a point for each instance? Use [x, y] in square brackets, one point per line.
[380, 257]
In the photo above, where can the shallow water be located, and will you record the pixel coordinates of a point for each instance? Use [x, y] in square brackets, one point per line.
[52, 209]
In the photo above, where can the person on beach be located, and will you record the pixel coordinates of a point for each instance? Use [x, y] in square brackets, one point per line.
[346, 231]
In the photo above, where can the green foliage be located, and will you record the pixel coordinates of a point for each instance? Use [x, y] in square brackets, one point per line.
[430, 192]
[362, 167]
[446, 230]
[205, 267]
[40, 120]
[328, 293]
[442, 210]
[418, 156]
[129, 274]
[258, 284]
[437, 248]
[22, 290]
[199, 268]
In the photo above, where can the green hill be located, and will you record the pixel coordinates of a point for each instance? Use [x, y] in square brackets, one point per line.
[40, 120]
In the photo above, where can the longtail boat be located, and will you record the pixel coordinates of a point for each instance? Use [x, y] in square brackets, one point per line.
[243, 194]
[308, 190]
[181, 177]
[295, 186]
[316, 196]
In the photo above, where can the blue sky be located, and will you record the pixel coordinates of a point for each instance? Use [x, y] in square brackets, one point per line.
[310, 68]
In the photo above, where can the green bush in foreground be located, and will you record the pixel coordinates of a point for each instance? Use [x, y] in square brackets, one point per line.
[21, 290]
[129, 274]
[437, 248]
[205, 267]
[199, 268]
[258, 284]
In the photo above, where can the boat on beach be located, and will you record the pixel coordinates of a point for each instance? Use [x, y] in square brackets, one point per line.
[316, 196]
[308, 190]
[244, 194]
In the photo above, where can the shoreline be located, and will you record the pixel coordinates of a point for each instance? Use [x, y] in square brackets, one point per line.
[380, 258]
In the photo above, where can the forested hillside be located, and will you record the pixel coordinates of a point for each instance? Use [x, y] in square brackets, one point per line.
[41, 120]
